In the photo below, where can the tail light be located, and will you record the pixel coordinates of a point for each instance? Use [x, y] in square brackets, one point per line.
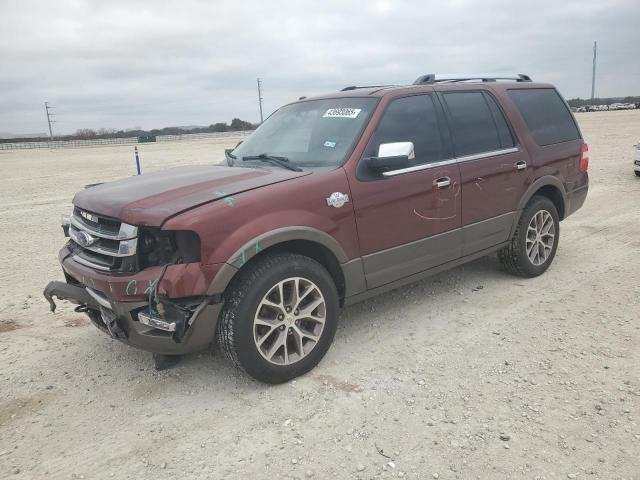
[584, 157]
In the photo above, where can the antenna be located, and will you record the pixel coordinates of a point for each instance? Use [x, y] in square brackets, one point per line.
[260, 98]
[593, 73]
[47, 107]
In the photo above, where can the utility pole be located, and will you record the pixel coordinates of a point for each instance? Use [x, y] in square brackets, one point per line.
[260, 98]
[47, 107]
[593, 73]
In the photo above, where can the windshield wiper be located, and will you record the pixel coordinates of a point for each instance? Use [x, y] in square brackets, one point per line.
[281, 161]
[230, 157]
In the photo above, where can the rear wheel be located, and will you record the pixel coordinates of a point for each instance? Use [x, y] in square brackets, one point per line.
[279, 317]
[534, 243]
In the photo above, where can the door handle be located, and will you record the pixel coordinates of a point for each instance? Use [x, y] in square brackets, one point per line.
[521, 165]
[443, 182]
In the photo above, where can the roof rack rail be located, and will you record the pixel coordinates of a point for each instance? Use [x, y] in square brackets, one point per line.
[431, 78]
[354, 87]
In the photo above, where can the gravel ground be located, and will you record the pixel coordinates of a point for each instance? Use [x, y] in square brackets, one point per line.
[469, 374]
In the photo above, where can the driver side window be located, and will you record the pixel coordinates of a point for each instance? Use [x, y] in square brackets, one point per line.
[411, 119]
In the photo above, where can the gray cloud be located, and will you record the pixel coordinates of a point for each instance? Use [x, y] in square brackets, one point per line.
[154, 63]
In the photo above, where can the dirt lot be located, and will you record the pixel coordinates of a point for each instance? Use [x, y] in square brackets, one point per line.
[421, 383]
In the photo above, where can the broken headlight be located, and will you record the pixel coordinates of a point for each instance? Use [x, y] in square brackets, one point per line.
[158, 247]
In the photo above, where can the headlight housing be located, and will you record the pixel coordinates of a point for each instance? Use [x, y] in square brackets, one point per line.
[158, 247]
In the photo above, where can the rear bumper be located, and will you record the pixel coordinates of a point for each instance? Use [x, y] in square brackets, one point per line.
[193, 319]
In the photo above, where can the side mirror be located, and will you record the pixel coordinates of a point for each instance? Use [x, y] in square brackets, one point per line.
[391, 156]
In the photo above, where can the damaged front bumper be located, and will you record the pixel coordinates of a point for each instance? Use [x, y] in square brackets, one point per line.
[154, 323]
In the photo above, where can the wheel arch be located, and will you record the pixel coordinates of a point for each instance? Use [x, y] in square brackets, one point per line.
[307, 241]
[549, 187]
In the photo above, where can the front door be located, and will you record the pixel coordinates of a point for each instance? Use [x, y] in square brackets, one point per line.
[408, 220]
[493, 168]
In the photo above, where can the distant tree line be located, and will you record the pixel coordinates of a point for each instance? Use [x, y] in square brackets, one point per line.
[236, 125]
[581, 102]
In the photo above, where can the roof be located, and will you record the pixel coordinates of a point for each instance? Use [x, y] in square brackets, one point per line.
[433, 82]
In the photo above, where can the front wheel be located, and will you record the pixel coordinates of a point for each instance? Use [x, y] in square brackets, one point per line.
[534, 243]
[279, 317]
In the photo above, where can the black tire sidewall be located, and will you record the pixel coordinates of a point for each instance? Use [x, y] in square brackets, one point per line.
[246, 351]
[528, 268]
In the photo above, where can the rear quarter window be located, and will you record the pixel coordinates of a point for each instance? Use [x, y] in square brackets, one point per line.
[546, 115]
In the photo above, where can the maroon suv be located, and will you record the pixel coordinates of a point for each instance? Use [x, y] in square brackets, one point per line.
[331, 200]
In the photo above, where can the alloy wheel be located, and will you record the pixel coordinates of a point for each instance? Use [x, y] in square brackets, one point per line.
[541, 234]
[289, 321]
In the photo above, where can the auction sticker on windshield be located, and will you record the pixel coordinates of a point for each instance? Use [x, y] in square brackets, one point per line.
[342, 112]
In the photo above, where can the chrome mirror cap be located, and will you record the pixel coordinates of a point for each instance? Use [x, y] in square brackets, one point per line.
[396, 149]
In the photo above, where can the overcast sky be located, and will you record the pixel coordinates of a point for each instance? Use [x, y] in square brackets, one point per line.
[122, 64]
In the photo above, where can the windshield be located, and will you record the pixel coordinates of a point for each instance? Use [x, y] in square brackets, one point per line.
[315, 133]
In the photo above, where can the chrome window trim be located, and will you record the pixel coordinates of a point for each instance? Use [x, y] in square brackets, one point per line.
[442, 163]
[416, 168]
[126, 231]
[493, 153]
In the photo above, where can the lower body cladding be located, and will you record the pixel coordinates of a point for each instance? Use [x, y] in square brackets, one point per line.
[163, 326]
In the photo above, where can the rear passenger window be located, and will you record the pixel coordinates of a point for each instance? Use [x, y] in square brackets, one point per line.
[477, 124]
[411, 119]
[546, 115]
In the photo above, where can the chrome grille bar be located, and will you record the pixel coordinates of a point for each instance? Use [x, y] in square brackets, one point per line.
[126, 248]
[126, 231]
[101, 242]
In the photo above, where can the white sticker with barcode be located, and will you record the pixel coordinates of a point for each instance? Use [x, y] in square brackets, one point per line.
[342, 112]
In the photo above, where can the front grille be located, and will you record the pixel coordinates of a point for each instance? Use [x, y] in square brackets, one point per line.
[101, 224]
[93, 259]
[101, 242]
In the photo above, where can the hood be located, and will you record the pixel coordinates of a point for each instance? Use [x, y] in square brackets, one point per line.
[152, 198]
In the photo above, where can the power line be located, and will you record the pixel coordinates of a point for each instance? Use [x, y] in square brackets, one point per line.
[260, 98]
[47, 107]
[593, 73]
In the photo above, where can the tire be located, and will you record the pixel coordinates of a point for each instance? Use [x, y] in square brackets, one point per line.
[255, 313]
[515, 258]
[637, 173]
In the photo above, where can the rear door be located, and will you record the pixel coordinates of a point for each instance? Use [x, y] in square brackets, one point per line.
[408, 220]
[494, 170]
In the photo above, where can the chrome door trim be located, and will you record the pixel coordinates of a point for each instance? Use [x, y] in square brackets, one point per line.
[450, 161]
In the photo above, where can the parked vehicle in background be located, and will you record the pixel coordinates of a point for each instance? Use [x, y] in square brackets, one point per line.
[605, 108]
[636, 160]
[331, 200]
